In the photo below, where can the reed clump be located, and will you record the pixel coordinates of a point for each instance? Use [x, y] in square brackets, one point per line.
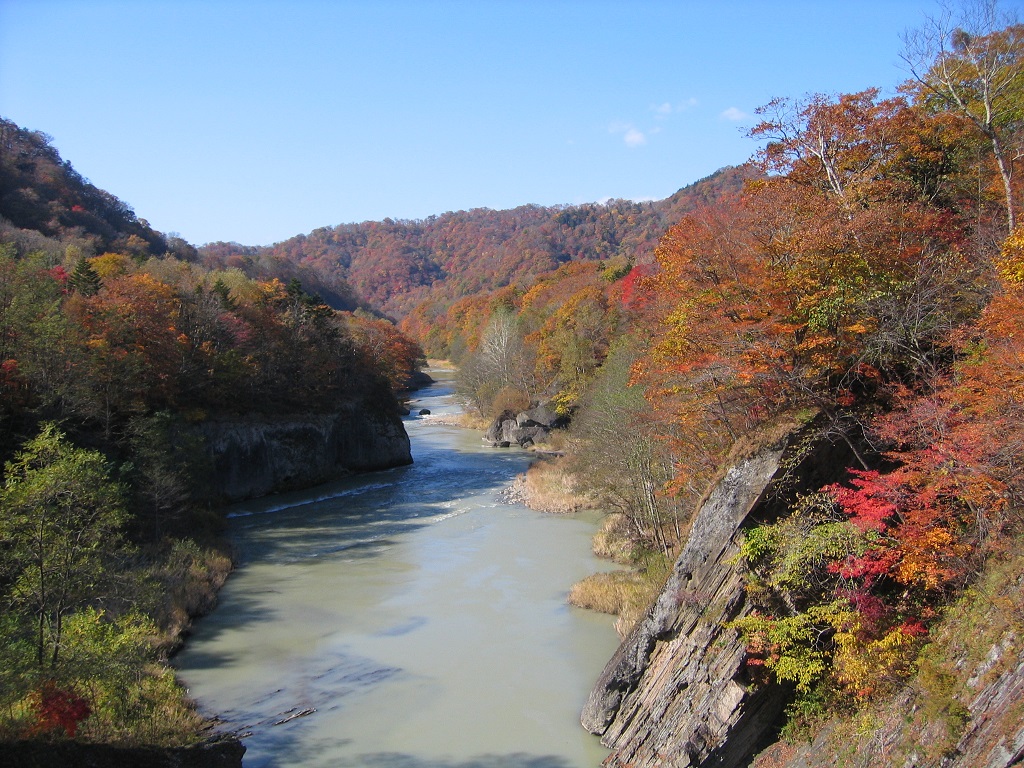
[548, 487]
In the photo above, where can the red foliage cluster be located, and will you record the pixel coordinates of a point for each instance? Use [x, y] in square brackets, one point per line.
[58, 709]
[869, 502]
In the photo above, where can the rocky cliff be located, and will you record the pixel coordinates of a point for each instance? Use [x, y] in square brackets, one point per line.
[675, 693]
[254, 457]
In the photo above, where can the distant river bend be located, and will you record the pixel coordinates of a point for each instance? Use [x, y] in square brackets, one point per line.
[406, 619]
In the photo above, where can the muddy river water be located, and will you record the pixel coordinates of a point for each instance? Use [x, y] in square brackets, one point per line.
[406, 619]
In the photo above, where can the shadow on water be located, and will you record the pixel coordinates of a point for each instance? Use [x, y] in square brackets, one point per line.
[397, 760]
[275, 718]
[299, 753]
[249, 609]
[358, 517]
[296, 751]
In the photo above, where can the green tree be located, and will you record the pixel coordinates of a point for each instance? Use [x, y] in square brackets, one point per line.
[619, 457]
[60, 522]
[85, 279]
[165, 461]
[37, 345]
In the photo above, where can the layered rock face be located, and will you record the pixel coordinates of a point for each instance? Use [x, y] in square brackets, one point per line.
[253, 458]
[675, 693]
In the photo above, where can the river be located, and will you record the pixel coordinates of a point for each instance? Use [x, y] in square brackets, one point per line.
[406, 619]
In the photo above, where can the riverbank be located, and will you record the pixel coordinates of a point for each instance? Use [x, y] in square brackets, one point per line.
[123, 694]
[156, 725]
[549, 486]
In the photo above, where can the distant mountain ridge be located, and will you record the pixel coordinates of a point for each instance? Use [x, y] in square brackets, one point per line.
[393, 266]
[43, 193]
[388, 267]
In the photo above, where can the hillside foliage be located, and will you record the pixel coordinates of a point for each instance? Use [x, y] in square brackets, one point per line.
[114, 339]
[862, 276]
[863, 283]
[425, 265]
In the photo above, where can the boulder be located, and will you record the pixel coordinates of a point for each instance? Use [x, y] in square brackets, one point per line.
[501, 428]
[527, 436]
[418, 380]
[523, 429]
[541, 416]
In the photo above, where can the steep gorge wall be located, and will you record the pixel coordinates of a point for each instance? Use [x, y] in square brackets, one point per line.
[254, 457]
[675, 692]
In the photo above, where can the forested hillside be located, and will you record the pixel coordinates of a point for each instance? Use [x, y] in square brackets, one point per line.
[397, 265]
[41, 193]
[867, 284]
[116, 346]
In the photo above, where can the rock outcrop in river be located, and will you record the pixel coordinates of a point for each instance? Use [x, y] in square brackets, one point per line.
[523, 429]
[254, 457]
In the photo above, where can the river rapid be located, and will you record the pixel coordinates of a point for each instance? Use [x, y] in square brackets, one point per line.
[406, 619]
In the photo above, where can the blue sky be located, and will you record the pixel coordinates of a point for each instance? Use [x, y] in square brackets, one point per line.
[255, 121]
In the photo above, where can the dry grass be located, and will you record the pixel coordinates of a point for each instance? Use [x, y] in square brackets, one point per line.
[469, 420]
[548, 487]
[613, 540]
[509, 399]
[605, 592]
[191, 576]
[626, 594]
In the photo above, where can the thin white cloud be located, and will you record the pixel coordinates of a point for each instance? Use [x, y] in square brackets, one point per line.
[634, 138]
[667, 108]
[734, 114]
[631, 135]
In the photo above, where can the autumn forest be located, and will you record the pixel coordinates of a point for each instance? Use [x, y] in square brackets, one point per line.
[860, 279]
